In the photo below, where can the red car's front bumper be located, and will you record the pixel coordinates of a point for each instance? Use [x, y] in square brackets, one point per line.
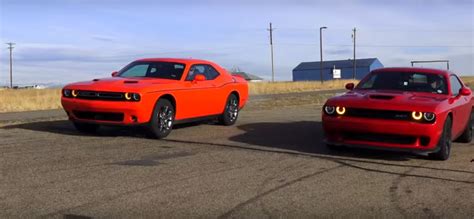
[106, 112]
[380, 133]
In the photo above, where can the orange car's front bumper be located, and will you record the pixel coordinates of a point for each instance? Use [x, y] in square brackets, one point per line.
[107, 112]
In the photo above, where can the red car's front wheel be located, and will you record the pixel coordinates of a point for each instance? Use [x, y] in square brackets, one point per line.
[466, 136]
[444, 143]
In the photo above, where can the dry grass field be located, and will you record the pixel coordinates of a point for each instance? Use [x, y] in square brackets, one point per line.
[295, 87]
[32, 99]
[29, 99]
[469, 81]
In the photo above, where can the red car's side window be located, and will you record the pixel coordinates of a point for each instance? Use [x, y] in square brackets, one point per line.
[455, 85]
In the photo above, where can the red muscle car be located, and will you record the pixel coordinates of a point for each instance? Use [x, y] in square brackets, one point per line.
[156, 93]
[413, 109]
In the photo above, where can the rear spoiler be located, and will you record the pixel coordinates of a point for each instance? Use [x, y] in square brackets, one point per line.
[238, 76]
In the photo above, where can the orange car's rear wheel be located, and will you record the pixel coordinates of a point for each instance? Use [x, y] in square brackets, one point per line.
[231, 111]
[162, 120]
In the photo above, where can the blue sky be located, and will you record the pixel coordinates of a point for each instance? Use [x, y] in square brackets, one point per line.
[60, 41]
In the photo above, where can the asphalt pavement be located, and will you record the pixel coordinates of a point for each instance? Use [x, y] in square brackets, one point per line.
[272, 163]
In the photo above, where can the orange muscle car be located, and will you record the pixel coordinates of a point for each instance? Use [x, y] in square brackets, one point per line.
[156, 93]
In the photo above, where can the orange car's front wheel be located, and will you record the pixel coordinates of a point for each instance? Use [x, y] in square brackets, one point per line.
[162, 120]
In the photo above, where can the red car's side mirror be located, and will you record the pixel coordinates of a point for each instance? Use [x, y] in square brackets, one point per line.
[350, 86]
[465, 91]
[199, 77]
[114, 74]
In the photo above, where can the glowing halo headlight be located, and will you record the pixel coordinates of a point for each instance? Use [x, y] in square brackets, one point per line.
[136, 97]
[340, 110]
[330, 110]
[429, 117]
[128, 96]
[416, 115]
[74, 93]
[67, 93]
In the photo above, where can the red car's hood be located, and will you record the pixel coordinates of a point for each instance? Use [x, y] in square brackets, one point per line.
[390, 100]
[120, 84]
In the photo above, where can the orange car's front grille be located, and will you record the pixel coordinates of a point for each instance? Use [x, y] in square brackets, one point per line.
[100, 95]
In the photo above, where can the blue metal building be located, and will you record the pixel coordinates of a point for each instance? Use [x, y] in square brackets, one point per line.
[310, 71]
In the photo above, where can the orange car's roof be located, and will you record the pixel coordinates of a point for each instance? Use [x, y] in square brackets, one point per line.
[179, 60]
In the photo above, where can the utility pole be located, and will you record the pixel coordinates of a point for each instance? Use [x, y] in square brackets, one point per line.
[271, 48]
[10, 47]
[321, 53]
[354, 38]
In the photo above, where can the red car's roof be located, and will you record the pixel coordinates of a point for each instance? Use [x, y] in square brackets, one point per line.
[414, 69]
[180, 60]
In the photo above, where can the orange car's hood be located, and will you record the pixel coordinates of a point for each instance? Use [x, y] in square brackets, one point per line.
[119, 84]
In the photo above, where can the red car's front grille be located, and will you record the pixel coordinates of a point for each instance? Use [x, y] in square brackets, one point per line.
[101, 116]
[382, 138]
[379, 114]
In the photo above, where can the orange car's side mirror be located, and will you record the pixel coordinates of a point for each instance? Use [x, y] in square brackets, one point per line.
[465, 91]
[199, 77]
[350, 86]
[114, 74]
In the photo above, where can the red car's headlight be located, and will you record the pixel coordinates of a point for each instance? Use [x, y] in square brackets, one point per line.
[330, 110]
[334, 110]
[67, 93]
[423, 116]
[340, 110]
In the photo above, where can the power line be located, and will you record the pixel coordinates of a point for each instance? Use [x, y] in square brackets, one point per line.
[10, 47]
[375, 45]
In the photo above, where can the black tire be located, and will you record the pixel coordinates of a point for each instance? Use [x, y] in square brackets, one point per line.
[162, 120]
[466, 136]
[86, 127]
[444, 143]
[231, 111]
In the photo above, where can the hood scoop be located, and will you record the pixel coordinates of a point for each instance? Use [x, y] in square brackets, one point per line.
[130, 82]
[381, 97]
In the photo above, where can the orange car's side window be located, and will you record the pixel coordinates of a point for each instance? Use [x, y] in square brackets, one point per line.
[208, 71]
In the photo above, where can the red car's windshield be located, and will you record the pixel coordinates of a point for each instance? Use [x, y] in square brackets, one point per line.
[165, 70]
[405, 81]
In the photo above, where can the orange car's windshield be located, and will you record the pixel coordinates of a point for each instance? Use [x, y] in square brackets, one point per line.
[405, 81]
[165, 70]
